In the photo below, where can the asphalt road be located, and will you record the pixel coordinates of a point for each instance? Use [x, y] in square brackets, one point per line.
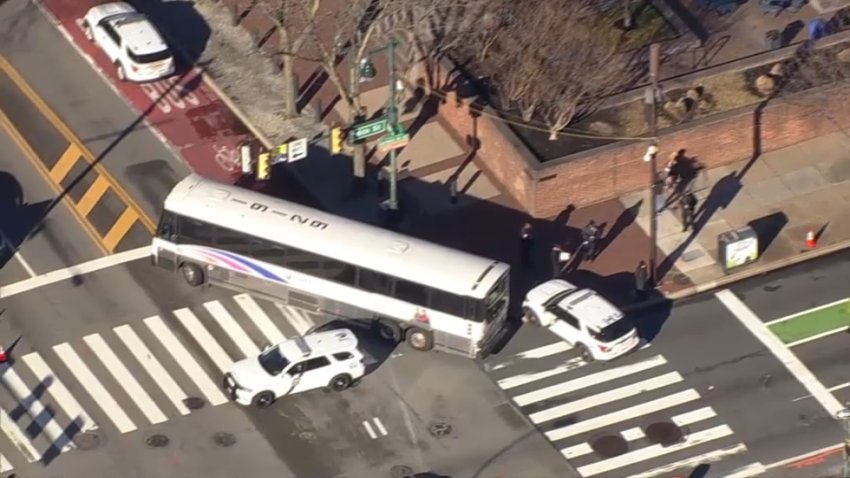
[77, 375]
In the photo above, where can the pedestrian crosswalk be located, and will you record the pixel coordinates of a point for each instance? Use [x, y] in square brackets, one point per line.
[633, 417]
[137, 374]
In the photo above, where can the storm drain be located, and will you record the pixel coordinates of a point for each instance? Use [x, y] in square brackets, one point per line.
[609, 446]
[87, 441]
[664, 433]
[157, 440]
[440, 429]
[194, 403]
[224, 440]
[401, 471]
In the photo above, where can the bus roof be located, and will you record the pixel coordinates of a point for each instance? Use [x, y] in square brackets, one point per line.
[335, 237]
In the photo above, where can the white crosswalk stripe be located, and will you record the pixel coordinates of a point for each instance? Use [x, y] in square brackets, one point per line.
[153, 367]
[579, 406]
[203, 337]
[56, 388]
[229, 325]
[41, 416]
[297, 318]
[260, 318]
[17, 437]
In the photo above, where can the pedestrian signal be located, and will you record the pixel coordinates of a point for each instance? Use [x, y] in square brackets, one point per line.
[336, 140]
[264, 166]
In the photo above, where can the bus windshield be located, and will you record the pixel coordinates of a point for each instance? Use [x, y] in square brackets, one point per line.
[496, 302]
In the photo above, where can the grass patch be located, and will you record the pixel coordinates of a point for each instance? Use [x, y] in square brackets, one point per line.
[813, 323]
[649, 26]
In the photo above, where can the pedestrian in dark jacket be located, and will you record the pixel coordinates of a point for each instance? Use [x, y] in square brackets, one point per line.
[641, 281]
[688, 205]
[555, 260]
[589, 235]
[526, 243]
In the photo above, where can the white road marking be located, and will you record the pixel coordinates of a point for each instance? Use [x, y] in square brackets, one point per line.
[380, 426]
[124, 378]
[17, 437]
[39, 413]
[657, 450]
[831, 389]
[535, 353]
[153, 367]
[804, 456]
[17, 255]
[369, 430]
[754, 469]
[818, 336]
[624, 414]
[525, 378]
[772, 342]
[5, 465]
[202, 336]
[695, 461]
[637, 433]
[299, 321]
[587, 381]
[79, 269]
[93, 387]
[260, 319]
[232, 329]
[59, 392]
[182, 356]
[607, 396]
[804, 312]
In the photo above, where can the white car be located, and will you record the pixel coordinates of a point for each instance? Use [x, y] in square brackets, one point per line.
[131, 42]
[319, 360]
[581, 317]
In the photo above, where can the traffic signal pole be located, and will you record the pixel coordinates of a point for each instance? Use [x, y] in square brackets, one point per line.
[392, 121]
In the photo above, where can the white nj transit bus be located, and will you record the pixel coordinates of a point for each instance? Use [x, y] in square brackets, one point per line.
[429, 295]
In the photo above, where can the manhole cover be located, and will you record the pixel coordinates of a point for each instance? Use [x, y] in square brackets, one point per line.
[664, 433]
[224, 439]
[194, 403]
[440, 429]
[401, 471]
[610, 446]
[157, 441]
[87, 441]
[307, 436]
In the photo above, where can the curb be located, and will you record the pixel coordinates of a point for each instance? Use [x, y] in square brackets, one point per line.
[739, 276]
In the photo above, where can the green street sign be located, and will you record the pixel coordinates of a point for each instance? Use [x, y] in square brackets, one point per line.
[393, 141]
[370, 128]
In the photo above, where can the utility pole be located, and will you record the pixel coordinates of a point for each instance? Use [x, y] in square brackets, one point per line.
[651, 98]
[392, 122]
[844, 417]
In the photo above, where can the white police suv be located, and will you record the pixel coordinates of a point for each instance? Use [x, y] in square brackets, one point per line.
[583, 318]
[319, 360]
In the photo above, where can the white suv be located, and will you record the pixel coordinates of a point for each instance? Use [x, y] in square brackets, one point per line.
[130, 41]
[320, 360]
[581, 317]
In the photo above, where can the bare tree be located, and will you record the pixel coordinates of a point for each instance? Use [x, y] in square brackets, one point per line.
[825, 74]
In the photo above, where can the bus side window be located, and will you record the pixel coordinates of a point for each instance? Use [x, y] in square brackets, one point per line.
[374, 282]
[448, 303]
[267, 251]
[410, 292]
[167, 225]
[233, 241]
[196, 232]
[473, 310]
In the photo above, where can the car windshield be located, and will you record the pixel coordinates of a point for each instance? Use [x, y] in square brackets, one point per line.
[272, 361]
[614, 331]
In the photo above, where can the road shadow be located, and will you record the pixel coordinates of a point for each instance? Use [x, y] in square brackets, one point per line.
[376, 348]
[154, 180]
[184, 27]
[767, 228]
[19, 220]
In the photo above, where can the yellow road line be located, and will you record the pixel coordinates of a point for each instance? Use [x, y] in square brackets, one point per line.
[93, 195]
[53, 118]
[66, 162]
[28, 153]
[120, 229]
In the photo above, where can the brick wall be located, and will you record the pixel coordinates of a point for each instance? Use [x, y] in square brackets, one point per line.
[606, 172]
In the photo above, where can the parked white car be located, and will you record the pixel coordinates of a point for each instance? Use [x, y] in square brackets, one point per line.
[319, 360]
[130, 40]
[583, 318]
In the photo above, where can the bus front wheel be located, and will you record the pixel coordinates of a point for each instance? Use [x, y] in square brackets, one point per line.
[419, 339]
[388, 330]
[192, 274]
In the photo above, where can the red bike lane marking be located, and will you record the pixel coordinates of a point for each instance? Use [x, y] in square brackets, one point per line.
[188, 114]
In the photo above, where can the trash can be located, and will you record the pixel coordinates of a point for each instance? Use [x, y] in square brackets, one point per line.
[737, 248]
[773, 39]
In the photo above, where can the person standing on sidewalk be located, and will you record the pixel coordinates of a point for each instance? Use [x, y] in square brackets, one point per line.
[526, 243]
[641, 281]
[589, 235]
[555, 260]
[687, 205]
[672, 179]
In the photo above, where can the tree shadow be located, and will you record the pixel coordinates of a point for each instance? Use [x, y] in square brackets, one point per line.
[19, 220]
[623, 221]
[185, 28]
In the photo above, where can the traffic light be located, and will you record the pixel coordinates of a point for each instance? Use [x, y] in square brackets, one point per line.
[264, 166]
[367, 70]
[337, 138]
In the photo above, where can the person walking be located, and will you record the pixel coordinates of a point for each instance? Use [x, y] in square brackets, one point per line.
[526, 243]
[641, 281]
[555, 260]
[672, 179]
[688, 205]
[589, 235]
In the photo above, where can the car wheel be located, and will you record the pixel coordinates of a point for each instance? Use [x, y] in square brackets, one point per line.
[263, 399]
[419, 339]
[119, 71]
[87, 31]
[388, 330]
[192, 274]
[340, 382]
[584, 352]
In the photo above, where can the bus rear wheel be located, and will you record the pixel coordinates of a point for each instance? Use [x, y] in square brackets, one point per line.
[388, 330]
[419, 339]
[192, 274]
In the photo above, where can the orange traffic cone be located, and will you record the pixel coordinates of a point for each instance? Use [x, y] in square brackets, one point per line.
[2, 355]
[811, 240]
